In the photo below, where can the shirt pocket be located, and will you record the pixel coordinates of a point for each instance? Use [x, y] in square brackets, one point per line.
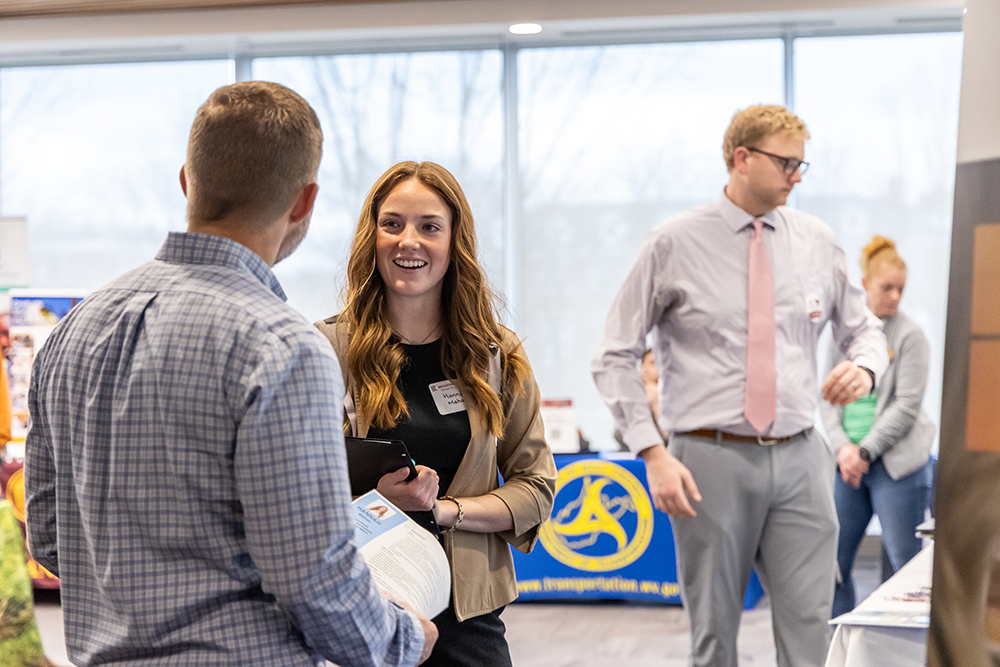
[802, 298]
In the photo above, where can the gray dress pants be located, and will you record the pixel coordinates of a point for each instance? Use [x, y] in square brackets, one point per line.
[769, 506]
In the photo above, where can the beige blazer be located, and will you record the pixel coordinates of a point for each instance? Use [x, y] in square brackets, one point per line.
[482, 569]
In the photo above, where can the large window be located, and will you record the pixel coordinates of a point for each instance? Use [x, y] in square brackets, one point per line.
[377, 110]
[91, 155]
[613, 141]
[883, 114]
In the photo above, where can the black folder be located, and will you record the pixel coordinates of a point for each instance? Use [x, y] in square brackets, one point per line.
[368, 459]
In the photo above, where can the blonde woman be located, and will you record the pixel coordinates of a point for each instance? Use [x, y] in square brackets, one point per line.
[882, 441]
[425, 360]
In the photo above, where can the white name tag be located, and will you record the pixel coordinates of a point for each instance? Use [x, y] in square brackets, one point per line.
[447, 397]
[814, 308]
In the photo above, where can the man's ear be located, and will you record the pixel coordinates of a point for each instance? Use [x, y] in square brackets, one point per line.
[740, 156]
[184, 183]
[303, 205]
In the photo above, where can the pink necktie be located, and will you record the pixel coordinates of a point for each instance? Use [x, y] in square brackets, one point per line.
[761, 400]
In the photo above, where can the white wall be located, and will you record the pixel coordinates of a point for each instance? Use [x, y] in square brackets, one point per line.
[978, 126]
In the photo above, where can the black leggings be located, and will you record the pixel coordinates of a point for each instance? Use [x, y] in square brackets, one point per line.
[475, 642]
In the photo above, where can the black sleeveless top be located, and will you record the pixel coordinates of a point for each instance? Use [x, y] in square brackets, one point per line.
[435, 440]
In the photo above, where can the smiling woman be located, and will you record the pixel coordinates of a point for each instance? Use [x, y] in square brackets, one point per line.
[420, 323]
[412, 248]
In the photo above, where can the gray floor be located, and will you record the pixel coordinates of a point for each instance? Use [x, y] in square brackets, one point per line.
[608, 635]
[580, 634]
[612, 635]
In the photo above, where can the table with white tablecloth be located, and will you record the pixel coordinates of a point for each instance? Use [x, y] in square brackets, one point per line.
[889, 628]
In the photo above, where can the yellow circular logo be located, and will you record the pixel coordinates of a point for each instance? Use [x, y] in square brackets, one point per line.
[599, 506]
[15, 493]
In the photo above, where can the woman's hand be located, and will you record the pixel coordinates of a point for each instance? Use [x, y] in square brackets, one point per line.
[418, 494]
[852, 466]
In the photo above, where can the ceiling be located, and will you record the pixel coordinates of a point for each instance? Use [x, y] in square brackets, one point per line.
[258, 27]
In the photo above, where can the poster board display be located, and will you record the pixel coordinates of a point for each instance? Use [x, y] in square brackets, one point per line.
[965, 597]
[33, 314]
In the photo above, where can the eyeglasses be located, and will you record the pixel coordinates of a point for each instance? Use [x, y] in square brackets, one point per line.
[789, 165]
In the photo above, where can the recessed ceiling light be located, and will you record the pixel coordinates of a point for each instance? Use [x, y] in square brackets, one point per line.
[525, 29]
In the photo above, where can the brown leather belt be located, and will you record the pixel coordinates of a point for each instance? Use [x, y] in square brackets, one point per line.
[732, 437]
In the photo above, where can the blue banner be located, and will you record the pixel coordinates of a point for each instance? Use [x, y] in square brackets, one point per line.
[604, 539]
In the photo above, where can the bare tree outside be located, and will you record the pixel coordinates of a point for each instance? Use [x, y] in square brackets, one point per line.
[883, 147]
[614, 140]
[377, 110]
[91, 156]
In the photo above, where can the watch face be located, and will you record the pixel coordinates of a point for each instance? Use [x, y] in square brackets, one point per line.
[864, 454]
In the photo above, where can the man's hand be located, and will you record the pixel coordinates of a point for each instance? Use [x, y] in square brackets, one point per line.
[430, 638]
[670, 482]
[852, 466]
[846, 383]
[416, 495]
[430, 630]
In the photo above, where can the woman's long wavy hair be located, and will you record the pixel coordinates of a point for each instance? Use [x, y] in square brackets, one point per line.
[471, 329]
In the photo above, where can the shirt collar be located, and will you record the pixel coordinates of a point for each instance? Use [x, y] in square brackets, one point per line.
[192, 248]
[737, 219]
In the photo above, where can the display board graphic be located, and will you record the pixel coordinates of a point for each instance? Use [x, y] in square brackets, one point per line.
[607, 522]
[604, 539]
[34, 313]
[33, 316]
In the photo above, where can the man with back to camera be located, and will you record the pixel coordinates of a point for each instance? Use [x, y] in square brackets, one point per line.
[185, 467]
[736, 294]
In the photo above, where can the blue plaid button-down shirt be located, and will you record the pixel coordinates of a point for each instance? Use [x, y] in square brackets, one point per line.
[186, 476]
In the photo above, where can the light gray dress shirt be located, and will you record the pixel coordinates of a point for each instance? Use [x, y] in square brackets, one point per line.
[689, 288]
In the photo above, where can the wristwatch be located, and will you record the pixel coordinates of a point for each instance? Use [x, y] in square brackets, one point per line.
[865, 454]
[871, 374]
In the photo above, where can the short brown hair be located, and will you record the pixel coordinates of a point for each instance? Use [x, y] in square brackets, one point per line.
[754, 124]
[253, 146]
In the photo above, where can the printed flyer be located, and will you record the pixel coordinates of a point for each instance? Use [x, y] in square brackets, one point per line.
[406, 561]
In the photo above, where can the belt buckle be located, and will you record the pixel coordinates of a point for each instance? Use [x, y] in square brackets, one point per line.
[767, 442]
